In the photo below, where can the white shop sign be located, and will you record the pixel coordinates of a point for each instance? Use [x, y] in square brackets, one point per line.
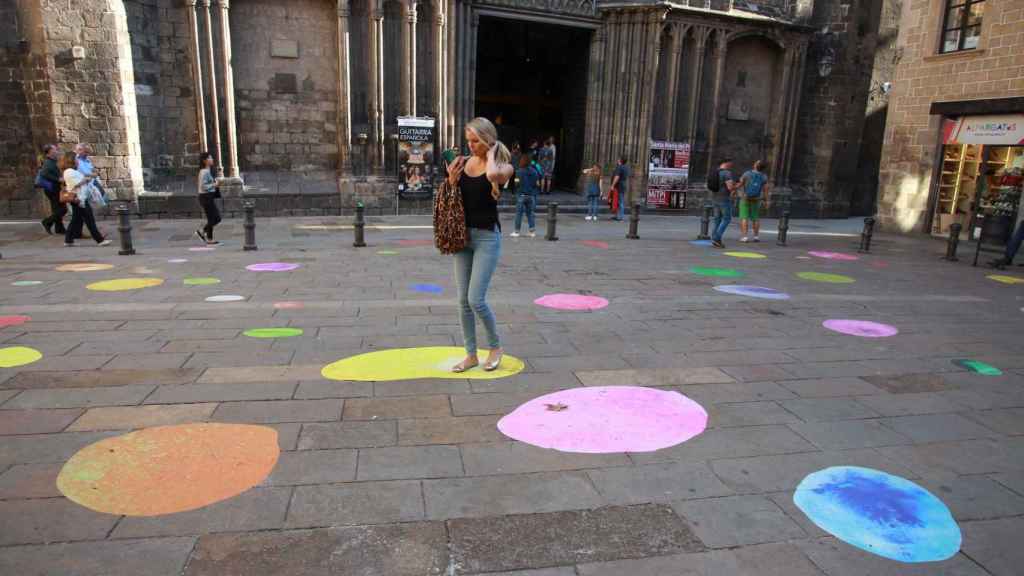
[999, 130]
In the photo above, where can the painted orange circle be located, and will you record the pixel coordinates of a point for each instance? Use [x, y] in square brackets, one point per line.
[168, 469]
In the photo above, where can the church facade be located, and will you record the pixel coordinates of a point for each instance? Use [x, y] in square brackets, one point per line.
[300, 99]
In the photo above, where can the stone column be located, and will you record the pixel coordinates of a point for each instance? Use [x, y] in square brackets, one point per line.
[653, 23]
[440, 61]
[701, 40]
[407, 68]
[474, 27]
[794, 116]
[632, 48]
[197, 75]
[375, 48]
[451, 70]
[721, 49]
[594, 75]
[611, 97]
[781, 115]
[229, 90]
[214, 101]
[672, 81]
[344, 129]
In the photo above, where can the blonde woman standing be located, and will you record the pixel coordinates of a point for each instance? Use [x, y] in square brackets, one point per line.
[479, 178]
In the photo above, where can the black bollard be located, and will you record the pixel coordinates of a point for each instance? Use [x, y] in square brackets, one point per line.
[865, 236]
[358, 225]
[634, 222]
[954, 240]
[124, 228]
[551, 234]
[250, 226]
[783, 228]
[705, 221]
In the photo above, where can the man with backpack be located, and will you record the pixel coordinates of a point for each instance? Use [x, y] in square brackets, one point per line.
[722, 185]
[754, 188]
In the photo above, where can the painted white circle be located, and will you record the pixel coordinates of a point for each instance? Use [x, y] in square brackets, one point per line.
[178, 260]
[226, 298]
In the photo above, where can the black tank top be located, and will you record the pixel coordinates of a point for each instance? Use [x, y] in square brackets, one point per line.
[481, 208]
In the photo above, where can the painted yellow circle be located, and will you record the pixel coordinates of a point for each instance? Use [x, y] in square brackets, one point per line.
[168, 469]
[1006, 279]
[823, 277]
[125, 284]
[750, 255]
[413, 363]
[84, 267]
[18, 356]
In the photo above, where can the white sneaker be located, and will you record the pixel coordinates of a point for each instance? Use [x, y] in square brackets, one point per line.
[744, 239]
[532, 234]
[514, 234]
[756, 239]
[105, 243]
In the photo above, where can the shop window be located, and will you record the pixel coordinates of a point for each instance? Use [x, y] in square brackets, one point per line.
[961, 25]
[978, 181]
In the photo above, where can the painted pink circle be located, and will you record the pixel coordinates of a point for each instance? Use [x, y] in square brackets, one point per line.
[595, 244]
[288, 305]
[606, 419]
[13, 320]
[271, 267]
[834, 255]
[421, 242]
[863, 328]
[571, 302]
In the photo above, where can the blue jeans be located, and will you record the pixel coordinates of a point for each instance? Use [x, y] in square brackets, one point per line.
[526, 203]
[723, 216]
[592, 206]
[622, 205]
[474, 266]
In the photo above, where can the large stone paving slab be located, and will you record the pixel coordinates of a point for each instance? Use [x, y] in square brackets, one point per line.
[540, 540]
[356, 503]
[518, 494]
[50, 520]
[413, 549]
[150, 557]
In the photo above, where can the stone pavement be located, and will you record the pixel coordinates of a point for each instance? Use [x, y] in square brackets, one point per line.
[413, 478]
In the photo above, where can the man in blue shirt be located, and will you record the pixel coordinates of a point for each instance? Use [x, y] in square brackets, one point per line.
[620, 181]
[84, 165]
[527, 176]
[722, 199]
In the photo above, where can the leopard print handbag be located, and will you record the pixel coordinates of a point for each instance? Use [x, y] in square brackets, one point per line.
[450, 233]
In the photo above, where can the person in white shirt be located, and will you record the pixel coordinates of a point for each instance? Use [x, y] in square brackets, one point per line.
[85, 197]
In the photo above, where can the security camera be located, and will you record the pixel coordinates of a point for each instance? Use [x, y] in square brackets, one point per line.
[886, 87]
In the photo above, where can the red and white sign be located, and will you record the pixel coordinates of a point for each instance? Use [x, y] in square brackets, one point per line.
[1001, 130]
[657, 197]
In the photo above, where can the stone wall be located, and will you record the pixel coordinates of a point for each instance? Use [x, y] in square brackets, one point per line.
[162, 65]
[994, 70]
[832, 109]
[17, 156]
[285, 84]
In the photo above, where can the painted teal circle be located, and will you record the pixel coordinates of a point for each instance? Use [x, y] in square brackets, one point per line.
[879, 513]
[26, 283]
[428, 288]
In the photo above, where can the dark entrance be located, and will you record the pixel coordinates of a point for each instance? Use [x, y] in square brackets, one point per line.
[531, 80]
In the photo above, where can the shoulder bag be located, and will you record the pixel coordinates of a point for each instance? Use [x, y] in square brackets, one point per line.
[450, 234]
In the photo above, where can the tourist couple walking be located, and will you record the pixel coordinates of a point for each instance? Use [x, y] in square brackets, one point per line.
[751, 188]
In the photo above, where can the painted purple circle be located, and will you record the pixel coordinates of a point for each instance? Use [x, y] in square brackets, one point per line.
[833, 255]
[201, 249]
[606, 419]
[271, 267]
[571, 302]
[863, 328]
[753, 291]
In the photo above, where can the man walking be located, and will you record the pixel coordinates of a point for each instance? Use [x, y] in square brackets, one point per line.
[48, 179]
[1012, 247]
[620, 184]
[722, 185]
[753, 189]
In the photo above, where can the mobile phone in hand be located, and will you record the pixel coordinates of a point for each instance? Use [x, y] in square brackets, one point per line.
[449, 155]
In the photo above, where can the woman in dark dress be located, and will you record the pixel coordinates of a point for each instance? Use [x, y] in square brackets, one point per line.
[479, 178]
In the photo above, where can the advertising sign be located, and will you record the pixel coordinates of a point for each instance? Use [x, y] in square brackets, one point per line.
[417, 169]
[668, 172]
[1001, 130]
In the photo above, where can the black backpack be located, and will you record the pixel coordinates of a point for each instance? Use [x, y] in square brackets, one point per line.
[713, 182]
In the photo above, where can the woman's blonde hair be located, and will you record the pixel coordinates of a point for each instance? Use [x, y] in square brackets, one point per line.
[67, 160]
[486, 131]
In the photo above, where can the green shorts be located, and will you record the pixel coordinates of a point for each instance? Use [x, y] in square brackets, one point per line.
[750, 208]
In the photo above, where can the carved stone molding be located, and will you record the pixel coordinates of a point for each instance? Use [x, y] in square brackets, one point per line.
[574, 7]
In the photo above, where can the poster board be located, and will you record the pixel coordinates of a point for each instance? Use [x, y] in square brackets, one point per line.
[668, 173]
[417, 163]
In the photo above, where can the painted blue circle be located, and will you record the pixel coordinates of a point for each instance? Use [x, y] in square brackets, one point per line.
[753, 291]
[880, 513]
[701, 242]
[428, 288]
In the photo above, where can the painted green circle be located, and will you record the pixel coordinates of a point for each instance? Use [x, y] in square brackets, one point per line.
[387, 252]
[823, 277]
[979, 367]
[201, 281]
[717, 272]
[273, 332]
